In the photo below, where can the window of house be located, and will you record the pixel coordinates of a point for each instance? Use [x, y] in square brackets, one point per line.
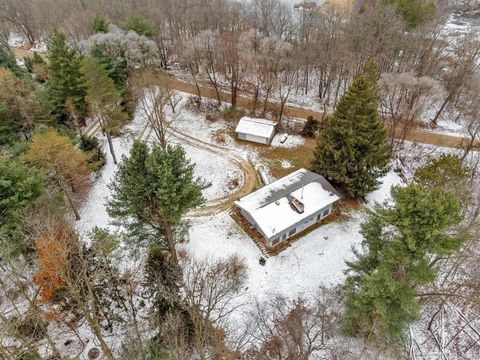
[275, 241]
[291, 232]
[319, 217]
[326, 212]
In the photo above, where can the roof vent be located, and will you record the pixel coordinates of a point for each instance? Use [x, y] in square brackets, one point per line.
[277, 202]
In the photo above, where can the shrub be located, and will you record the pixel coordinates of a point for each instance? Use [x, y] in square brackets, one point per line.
[31, 325]
[90, 145]
[232, 114]
[311, 127]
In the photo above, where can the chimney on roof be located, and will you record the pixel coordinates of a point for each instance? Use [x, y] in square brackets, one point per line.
[296, 204]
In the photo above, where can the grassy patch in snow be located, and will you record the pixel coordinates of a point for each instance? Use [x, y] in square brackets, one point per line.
[298, 157]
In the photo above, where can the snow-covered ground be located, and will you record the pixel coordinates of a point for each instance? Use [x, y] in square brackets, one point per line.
[214, 169]
[17, 41]
[94, 213]
[317, 259]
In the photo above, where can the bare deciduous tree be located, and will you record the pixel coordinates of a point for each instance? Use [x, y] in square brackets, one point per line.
[405, 98]
[284, 329]
[211, 289]
[157, 105]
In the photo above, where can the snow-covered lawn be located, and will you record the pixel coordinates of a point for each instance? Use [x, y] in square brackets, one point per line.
[215, 169]
[94, 212]
[317, 259]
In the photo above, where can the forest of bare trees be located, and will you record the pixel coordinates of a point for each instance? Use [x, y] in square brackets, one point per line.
[268, 50]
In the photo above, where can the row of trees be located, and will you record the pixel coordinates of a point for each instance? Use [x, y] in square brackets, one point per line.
[270, 51]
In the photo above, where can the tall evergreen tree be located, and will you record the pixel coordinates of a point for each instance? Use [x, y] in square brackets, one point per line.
[65, 79]
[142, 26]
[103, 99]
[115, 65]
[352, 147]
[151, 192]
[445, 172]
[162, 282]
[414, 12]
[399, 242]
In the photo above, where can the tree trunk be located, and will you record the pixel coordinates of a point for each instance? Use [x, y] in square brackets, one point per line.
[196, 85]
[70, 201]
[434, 121]
[110, 146]
[170, 237]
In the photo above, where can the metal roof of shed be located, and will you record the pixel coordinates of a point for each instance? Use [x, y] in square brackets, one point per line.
[256, 127]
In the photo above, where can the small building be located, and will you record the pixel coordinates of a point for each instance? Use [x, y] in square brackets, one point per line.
[256, 130]
[289, 205]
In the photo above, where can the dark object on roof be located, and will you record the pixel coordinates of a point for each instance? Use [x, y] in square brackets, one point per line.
[300, 179]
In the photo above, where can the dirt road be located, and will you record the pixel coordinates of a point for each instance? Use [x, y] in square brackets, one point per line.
[415, 135]
[249, 177]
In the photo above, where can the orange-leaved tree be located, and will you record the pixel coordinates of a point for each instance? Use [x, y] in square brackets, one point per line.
[52, 266]
[54, 247]
[63, 163]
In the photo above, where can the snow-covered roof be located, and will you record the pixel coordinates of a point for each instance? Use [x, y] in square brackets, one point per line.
[271, 209]
[257, 127]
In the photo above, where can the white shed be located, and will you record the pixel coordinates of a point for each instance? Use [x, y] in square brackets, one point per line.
[256, 130]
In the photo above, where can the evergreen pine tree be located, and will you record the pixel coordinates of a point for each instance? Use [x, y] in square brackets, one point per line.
[103, 99]
[151, 192]
[352, 147]
[162, 282]
[413, 12]
[100, 24]
[65, 79]
[116, 67]
[142, 26]
[20, 186]
[395, 260]
[445, 172]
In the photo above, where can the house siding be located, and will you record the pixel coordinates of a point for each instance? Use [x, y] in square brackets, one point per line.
[299, 226]
[257, 139]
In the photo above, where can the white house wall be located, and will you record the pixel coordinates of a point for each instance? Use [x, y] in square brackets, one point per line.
[300, 226]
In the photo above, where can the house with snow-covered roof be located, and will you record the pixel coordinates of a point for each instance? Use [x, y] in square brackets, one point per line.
[256, 130]
[289, 205]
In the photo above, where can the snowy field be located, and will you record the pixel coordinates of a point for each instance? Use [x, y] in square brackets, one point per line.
[214, 169]
[314, 260]
[317, 259]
